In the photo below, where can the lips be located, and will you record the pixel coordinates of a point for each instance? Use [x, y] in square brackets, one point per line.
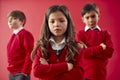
[57, 30]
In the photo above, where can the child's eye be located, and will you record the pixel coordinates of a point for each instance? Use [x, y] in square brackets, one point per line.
[62, 20]
[52, 21]
[87, 17]
[14, 18]
[93, 16]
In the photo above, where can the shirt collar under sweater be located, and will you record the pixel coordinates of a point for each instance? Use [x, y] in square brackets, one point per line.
[57, 46]
[87, 28]
[15, 31]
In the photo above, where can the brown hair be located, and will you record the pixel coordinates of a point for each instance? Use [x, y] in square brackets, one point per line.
[71, 43]
[18, 14]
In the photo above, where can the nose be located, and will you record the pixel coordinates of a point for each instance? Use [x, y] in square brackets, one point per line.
[57, 23]
[90, 19]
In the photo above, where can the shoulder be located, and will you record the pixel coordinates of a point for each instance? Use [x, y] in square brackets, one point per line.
[38, 47]
[39, 51]
[36, 54]
[80, 31]
[80, 35]
[25, 33]
[106, 32]
[80, 50]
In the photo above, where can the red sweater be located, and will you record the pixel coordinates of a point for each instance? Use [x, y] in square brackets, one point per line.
[95, 58]
[57, 68]
[18, 50]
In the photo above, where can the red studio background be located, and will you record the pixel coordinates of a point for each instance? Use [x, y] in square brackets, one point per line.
[35, 9]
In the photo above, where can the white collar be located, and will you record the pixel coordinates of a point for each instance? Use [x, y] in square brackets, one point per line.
[87, 28]
[15, 31]
[57, 46]
[53, 41]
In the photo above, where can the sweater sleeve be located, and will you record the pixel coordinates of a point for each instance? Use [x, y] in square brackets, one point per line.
[107, 53]
[48, 71]
[98, 52]
[76, 73]
[28, 43]
[79, 36]
[93, 51]
[90, 51]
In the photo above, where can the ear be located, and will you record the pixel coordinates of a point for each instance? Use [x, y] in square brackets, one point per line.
[23, 23]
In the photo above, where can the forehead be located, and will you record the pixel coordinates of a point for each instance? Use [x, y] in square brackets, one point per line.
[13, 18]
[90, 13]
[10, 17]
[57, 14]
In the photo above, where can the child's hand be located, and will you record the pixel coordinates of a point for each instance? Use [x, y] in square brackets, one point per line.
[82, 45]
[103, 46]
[70, 66]
[43, 61]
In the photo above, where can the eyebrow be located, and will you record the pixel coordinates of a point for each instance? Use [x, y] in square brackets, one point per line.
[57, 18]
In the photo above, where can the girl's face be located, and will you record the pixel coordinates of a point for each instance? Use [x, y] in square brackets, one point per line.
[57, 23]
[14, 22]
[91, 19]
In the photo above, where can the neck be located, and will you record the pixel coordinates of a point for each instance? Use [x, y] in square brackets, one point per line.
[58, 39]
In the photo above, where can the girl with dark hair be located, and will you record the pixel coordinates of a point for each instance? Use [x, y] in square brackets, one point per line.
[57, 55]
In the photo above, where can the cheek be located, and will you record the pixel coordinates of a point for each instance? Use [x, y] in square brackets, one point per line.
[8, 23]
[50, 28]
[13, 22]
[65, 28]
[96, 20]
[84, 20]
[17, 22]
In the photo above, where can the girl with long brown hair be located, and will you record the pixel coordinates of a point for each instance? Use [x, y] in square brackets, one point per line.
[57, 55]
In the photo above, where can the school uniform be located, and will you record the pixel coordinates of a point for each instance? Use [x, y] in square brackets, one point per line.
[95, 58]
[18, 52]
[57, 69]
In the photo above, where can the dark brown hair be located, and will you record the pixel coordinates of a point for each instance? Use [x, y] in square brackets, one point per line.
[89, 7]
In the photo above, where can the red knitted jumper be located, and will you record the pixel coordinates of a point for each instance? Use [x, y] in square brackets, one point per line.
[19, 49]
[95, 58]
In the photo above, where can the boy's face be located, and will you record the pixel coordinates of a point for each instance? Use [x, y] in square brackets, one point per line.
[14, 22]
[90, 19]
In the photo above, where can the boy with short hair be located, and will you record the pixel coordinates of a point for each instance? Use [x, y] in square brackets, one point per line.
[19, 47]
[97, 43]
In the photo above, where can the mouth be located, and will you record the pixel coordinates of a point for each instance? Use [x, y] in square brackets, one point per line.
[92, 23]
[57, 30]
